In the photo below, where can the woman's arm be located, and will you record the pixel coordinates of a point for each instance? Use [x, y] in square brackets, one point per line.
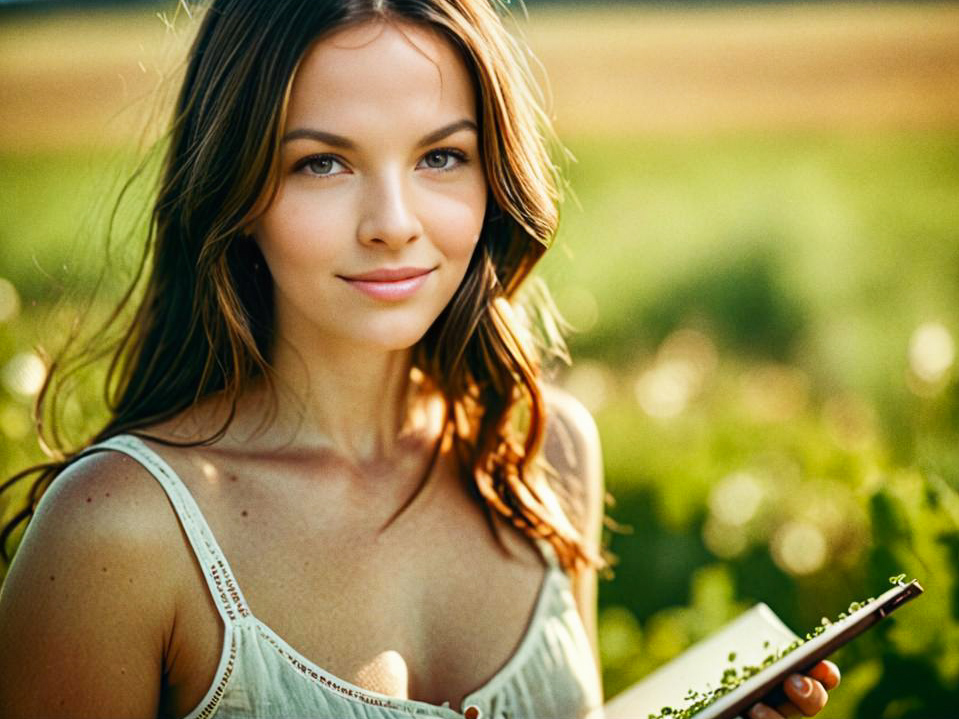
[87, 607]
[571, 446]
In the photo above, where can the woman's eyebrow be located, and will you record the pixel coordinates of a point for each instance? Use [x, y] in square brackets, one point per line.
[334, 140]
[448, 130]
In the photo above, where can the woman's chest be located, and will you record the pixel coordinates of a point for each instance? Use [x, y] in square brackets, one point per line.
[429, 608]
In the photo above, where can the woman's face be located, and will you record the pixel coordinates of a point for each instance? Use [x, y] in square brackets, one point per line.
[380, 171]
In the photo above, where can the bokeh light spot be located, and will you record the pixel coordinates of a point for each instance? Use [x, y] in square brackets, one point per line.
[695, 348]
[590, 382]
[724, 540]
[24, 374]
[932, 352]
[774, 392]
[9, 300]
[736, 498]
[799, 548]
[665, 389]
[683, 363]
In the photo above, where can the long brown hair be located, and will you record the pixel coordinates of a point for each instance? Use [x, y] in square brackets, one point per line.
[204, 322]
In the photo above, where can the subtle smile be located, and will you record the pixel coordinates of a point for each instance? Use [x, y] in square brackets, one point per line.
[390, 284]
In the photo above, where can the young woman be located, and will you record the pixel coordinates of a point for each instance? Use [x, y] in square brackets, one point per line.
[334, 483]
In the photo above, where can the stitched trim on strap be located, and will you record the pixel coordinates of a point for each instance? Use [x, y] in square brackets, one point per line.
[219, 577]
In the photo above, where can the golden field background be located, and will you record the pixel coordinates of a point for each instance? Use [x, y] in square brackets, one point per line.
[67, 78]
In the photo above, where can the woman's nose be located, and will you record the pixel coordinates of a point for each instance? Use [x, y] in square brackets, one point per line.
[388, 216]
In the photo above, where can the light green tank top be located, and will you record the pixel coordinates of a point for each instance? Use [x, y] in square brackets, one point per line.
[551, 674]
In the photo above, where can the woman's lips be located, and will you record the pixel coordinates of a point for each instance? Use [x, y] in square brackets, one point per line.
[390, 274]
[391, 290]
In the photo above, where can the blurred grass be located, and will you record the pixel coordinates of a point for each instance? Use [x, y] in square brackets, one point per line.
[765, 214]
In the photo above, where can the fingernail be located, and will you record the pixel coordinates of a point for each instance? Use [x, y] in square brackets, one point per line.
[759, 712]
[801, 684]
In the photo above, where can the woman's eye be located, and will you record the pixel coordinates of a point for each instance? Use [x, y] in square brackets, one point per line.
[322, 165]
[443, 159]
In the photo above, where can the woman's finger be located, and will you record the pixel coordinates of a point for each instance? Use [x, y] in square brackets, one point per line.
[807, 694]
[826, 673]
[789, 710]
[761, 711]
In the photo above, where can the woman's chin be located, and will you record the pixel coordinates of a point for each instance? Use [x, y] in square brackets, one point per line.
[391, 341]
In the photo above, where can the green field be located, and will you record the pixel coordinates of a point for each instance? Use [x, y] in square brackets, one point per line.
[760, 251]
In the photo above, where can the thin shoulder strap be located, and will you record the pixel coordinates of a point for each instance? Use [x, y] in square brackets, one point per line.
[548, 552]
[219, 577]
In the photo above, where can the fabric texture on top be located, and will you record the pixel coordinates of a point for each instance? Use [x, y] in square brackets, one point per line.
[551, 674]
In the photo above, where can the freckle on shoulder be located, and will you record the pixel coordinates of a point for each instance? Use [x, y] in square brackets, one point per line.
[110, 492]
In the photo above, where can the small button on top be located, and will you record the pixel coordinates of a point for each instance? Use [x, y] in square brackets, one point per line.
[472, 712]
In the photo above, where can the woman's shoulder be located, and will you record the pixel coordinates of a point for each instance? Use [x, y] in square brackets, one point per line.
[109, 491]
[571, 437]
[104, 511]
[94, 571]
[568, 414]
[571, 446]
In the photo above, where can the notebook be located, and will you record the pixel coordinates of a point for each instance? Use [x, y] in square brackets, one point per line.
[757, 645]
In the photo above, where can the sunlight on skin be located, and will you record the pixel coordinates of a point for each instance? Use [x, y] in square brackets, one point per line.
[210, 472]
[388, 670]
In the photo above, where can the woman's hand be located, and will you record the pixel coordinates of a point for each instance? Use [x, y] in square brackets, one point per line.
[807, 697]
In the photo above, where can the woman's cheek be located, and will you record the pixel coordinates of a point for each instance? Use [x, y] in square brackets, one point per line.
[301, 234]
[456, 223]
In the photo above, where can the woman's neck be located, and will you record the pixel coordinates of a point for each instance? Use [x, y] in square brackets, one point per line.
[367, 412]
